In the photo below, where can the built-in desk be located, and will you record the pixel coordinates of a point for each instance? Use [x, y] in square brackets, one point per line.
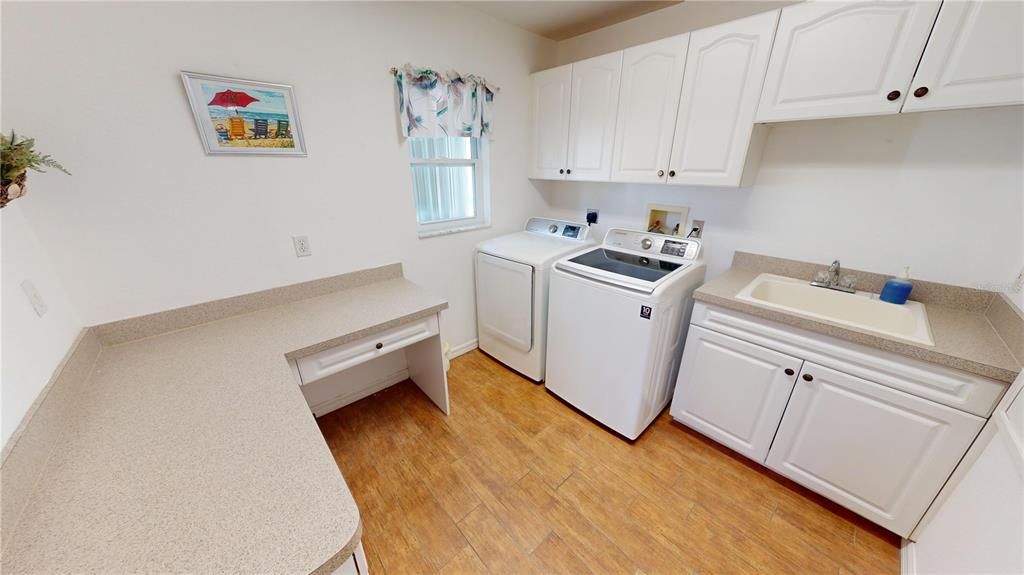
[194, 451]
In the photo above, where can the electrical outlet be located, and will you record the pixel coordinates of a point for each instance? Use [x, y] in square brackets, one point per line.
[592, 215]
[696, 229]
[34, 298]
[302, 248]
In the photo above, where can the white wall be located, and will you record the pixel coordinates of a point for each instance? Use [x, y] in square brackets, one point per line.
[148, 222]
[677, 19]
[32, 346]
[940, 192]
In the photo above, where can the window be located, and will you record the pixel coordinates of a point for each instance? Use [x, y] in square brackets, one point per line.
[450, 184]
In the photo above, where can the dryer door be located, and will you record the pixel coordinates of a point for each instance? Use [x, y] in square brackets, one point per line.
[504, 300]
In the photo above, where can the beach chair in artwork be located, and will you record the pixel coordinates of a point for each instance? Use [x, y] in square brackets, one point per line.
[236, 128]
[282, 129]
[260, 129]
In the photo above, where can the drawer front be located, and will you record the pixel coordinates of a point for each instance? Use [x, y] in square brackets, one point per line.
[961, 390]
[331, 361]
[874, 450]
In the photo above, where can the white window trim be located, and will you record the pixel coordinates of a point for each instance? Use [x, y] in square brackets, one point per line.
[481, 192]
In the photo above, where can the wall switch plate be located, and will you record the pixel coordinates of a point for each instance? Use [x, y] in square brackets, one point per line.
[592, 215]
[34, 298]
[302, 248]
[697, 229]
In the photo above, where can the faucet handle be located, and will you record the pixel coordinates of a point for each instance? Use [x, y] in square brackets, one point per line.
[821, 276]
[848, 281]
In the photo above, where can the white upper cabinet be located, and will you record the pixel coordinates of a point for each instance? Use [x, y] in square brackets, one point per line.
[975, 57]
[594, 101]
[725, 68]
[844, 59]
[652, 76]
[880, 452]
[550, 91]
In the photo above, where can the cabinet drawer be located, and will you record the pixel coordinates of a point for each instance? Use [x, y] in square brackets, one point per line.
[959, 389]
[330, 361]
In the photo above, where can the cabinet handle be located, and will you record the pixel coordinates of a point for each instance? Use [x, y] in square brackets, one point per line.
[561, 171]
[921, 92]
[790, 372]
[894, 95]
[568, 171]
[379, 345]
[671, 173]
[808, 377]
[661, 173]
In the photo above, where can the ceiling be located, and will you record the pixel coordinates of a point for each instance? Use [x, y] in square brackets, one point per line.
[560, 20]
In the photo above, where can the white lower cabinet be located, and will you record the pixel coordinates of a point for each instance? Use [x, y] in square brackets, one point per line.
[880, 452]
[733, 391]
[881, 443]
[355, 565]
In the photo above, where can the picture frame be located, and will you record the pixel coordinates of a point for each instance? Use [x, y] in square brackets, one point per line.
[244, 117]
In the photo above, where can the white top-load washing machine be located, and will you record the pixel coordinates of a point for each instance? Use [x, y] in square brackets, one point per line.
[616, 325]
[512, 290]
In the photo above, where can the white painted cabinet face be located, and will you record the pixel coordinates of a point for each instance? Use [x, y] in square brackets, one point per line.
[877, 451]
[725, 69]
[551, 90]
[844, 59]
[652, 76]
[595, 97]
[733, 391]
[975, 57]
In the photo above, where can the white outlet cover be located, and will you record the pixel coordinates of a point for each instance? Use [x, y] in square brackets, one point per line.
[302, 247]
[34, 298]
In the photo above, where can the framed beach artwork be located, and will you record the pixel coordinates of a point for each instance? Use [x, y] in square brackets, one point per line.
[243, 116]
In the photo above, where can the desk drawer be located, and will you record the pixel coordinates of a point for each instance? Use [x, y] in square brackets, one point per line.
[331, 361]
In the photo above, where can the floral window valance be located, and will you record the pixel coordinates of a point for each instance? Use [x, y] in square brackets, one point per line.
[443, 105]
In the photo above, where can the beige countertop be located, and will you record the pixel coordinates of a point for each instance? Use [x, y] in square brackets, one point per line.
[964, 337]
[194, 451]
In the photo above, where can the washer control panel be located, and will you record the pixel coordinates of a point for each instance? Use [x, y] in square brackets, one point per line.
[560, 228]
[638, 241]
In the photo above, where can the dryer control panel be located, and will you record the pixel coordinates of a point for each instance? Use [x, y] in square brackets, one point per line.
[560, 228]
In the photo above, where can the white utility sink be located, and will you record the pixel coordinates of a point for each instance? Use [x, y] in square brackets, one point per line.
[861, 310]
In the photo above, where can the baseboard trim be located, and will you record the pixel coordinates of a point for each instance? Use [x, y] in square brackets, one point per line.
[907, 564]
[325, 407]
[462, 348]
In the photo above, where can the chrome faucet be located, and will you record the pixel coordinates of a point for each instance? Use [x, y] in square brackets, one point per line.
[831, 279]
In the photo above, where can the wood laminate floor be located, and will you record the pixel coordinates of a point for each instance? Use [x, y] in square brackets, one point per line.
[515, 481]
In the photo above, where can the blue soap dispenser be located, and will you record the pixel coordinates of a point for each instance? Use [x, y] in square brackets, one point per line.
[897, 290]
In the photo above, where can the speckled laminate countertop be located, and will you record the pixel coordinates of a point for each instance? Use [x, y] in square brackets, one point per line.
[195, 451]
[964, 338]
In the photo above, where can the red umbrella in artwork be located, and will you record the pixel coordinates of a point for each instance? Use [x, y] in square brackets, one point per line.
[232, 99]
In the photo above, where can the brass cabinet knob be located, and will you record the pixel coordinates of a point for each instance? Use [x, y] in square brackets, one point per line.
[894, 95]
[921, 92]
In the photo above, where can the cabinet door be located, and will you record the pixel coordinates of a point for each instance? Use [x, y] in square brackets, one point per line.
[652, 76]
[975, 57]
[879, 452]
[595, 96]
[844, 59]
[551, 90]
[725, 69]
[733, 391]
